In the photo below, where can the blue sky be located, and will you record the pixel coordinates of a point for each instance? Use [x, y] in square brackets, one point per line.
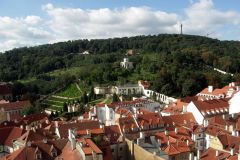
[33, 22]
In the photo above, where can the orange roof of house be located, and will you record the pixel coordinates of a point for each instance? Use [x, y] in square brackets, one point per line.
[210, 153]
[88, 146]
[212, 104]
[80, 125]
[215, 92]
[68, 153]
[92, 131]
[15, 105]
[8, 134]
[180, 119]
[215, 130]
[228, 141]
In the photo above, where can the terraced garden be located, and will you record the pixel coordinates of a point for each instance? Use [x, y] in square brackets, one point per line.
[72, 91]
[56, 101]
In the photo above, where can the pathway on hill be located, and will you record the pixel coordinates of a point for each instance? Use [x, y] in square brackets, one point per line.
[78, 87]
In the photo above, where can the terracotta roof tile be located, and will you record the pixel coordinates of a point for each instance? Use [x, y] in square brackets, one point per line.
[15, 105]
[8, 134]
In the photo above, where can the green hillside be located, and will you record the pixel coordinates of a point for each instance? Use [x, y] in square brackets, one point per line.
[176, 65]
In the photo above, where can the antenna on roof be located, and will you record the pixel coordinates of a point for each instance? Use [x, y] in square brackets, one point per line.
[181, 26]
[208, 34]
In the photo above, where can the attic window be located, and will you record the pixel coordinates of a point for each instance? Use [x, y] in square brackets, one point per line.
[54, 153]
[38, 156]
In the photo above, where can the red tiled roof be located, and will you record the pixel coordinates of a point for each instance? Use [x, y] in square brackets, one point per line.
[15, 105]
[215, 130]
[215, 92]
[212, 104]
[138, 102]
[8, 134]
[88, 146]
[29, 152]
[150, 118]
[81, 125]
[112, 132]
[229, 141]
[33, 118]
[180, 119]
[210, 153]
[96, 131]
[68, 153]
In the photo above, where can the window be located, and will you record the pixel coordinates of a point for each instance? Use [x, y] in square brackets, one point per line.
[54, 153]
[112, 150]
[120, 148]
[38, 156]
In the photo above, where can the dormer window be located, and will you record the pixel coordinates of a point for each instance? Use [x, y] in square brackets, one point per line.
[38, 156]
[54, 153]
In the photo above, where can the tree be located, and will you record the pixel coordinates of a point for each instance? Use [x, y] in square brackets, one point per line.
[81, 109]
[65, 107]
[84, 98]
[115, 98]
[188, 88]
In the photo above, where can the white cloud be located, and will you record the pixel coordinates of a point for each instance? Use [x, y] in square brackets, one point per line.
[200, 17]
[71, 23]
[18, 32]
[33, 20]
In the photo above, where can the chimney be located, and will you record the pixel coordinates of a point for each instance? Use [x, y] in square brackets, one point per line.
[237, 134]
[232, 151]
[226, 127]
[94, 154]
[29, 144]
[233, 132]
[45, 140]
[217, 153]
[166, 132]
[205, 122]
[198, 154]
[210, 89]
[224, 116]
[187, 142]
[102, 126]
[40, 125]
[190, 156]
[71, 137]
[142, 135]
[176, 130]
[56, 124]
[159, 142]
[8, 117]
[88, 132]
